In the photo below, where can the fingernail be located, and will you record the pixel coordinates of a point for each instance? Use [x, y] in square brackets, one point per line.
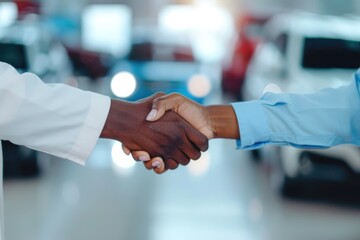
[155, 164]
[151, 115]
[144, 158]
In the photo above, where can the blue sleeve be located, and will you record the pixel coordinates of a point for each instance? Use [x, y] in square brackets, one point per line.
[319, 120]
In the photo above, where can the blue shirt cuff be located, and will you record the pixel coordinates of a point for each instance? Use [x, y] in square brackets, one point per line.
[254, 129]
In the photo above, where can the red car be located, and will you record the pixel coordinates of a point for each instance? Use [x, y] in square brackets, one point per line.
[27, 7]
[250, 34]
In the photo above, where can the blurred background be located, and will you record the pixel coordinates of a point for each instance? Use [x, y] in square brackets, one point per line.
[214, 52]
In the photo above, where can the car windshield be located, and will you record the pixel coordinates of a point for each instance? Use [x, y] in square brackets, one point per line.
[321, 53]
[13, 54]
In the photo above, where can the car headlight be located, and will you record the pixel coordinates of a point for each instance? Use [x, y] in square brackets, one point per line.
[199, 85]
[123, 84]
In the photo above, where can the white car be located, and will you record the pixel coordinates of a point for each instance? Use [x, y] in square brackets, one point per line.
[29, 47]
[304, 53]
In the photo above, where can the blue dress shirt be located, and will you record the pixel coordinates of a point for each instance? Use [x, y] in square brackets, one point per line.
[319, 120]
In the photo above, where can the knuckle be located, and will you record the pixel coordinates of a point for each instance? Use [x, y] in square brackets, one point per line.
[196, 156]
[159, 103]
[178, 97]
[156, 103]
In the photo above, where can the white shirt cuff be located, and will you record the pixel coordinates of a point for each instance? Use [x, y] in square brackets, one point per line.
[91, 129]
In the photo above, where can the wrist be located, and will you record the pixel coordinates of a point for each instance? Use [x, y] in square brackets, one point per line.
[113, 125]
[223, 121]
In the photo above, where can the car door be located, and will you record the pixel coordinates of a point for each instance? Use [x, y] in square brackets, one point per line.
[269, 65]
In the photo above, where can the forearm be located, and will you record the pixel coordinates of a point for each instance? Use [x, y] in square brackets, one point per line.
[56, 119]
[223, 121]
[319, 120]
[327, 118]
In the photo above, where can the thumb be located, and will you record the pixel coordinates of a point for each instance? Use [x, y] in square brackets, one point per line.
[162, 104]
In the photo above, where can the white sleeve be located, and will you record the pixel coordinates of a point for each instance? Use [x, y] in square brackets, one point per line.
[52, 118]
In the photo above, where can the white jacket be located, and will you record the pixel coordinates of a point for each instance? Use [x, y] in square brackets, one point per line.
[52, 118]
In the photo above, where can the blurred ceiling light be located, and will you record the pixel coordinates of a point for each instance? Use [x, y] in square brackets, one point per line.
[206, 23]
[8, 14]
[177, 18]
[123, 84]
[107, 28]
[119, 158]
[200, 167]
[199, 85]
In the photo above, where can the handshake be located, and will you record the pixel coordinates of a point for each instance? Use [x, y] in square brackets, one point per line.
[164, 131]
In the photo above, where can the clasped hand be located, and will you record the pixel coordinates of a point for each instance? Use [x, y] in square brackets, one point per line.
[196, 115]
[170, 140]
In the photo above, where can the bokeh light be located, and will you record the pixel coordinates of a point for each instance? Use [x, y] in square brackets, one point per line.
[123, 84]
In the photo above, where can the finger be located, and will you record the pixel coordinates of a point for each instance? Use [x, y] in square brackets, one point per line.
[171, 164]
[126, 150]
[179, 156]
[196, 137]
[148, 165]
[191, 151]
[162, 165]
[158, 165]
[140, 156]
[155, 163]
[185, 162]
[160, 171]
[162, 104]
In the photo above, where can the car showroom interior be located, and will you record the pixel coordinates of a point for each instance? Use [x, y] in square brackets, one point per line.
[213, 52]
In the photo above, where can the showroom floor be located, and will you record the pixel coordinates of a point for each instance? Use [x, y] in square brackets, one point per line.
[223, 196]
